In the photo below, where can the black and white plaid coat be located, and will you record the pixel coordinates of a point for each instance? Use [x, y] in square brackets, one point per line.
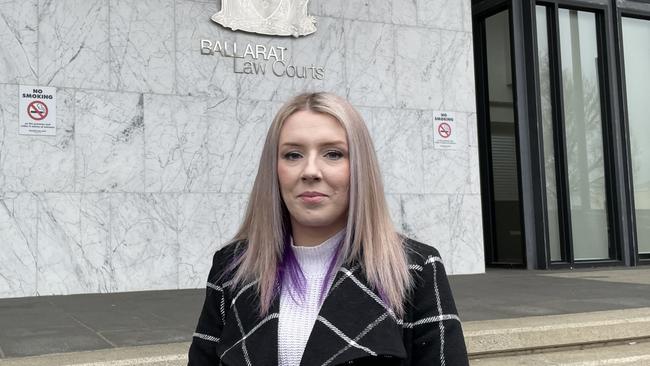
[354, 326]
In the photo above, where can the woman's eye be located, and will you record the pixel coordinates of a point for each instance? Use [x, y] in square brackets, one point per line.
[334, 155]
[292, 155]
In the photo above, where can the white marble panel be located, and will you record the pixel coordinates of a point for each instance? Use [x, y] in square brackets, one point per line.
[176, 143]
[397, 138]
[442, 14]
[472, 126]
[342, 9]
[425, 218]
[370, 63]
[206, 223]
[73, 43]
[474, 171]
[380, 11]
[109, 136]
[73, 251]
[465, 253]
[439, 76]
[419, 81]
[375, 11]
[236, 145]
[22, 166]
[18, 218]
[19, 41]
[198, 74]
[350, 9]
[467, 15]
[264, 84]
[142, 45]
[325, 48]
[456, 69]
[405, 12]
[144, 241]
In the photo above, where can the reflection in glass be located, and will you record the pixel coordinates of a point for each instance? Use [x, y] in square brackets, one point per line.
[547, 135]
[636, 47]
[507, 227]
[583, 130]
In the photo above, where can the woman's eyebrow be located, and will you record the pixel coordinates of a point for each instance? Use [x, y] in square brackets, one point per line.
[333, 143]
[291, 144]
[325, 143]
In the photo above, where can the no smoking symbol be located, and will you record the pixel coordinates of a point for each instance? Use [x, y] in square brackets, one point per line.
[37, 110]
[444, 129]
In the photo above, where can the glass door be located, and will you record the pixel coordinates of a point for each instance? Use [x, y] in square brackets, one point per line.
[636, 48]
[504, 242]
[573, 131]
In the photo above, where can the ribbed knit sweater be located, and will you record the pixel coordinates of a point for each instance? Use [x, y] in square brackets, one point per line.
[297, 317]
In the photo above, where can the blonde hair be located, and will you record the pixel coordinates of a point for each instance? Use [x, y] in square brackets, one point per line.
[370, 238]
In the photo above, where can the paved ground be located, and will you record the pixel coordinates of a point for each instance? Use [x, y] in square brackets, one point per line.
[53, 324]
[500, 294]
[57, 324]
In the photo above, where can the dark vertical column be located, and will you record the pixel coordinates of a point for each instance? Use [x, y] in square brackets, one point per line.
[620, 158]
[529, 132]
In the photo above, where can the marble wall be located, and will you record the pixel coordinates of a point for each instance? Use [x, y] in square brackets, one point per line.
[157, 145]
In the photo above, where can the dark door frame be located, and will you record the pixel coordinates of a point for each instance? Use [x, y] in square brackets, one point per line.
[480, 12]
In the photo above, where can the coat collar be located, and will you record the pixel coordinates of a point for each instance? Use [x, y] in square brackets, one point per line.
[353, 322]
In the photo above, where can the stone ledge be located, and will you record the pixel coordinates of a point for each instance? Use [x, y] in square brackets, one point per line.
[539, 332]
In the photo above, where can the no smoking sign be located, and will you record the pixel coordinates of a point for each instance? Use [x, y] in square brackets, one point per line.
[37, 106]
[37, 110]
[444, 130]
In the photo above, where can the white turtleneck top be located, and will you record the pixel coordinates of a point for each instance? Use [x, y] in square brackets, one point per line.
[297, 317]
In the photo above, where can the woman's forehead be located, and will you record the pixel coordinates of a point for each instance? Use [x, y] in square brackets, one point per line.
[305, 126]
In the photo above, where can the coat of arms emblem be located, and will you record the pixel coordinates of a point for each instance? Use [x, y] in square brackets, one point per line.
[272, 17]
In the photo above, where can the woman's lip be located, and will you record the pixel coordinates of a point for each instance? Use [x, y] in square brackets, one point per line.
[311, 199]
[312, 194]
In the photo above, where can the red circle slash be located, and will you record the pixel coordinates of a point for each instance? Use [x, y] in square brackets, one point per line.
[444, 129]
[37, 110]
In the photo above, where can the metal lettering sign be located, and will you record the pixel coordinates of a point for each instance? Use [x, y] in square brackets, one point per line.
[257, 59]
[271, 17]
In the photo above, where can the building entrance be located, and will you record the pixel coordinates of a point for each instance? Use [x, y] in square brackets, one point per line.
[562, 90]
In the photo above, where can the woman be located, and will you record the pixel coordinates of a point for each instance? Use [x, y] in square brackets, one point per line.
[317, 274]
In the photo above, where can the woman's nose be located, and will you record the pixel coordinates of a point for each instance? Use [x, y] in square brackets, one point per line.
[312, 170]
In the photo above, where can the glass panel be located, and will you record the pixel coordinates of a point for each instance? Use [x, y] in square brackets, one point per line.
[583, 130]
[636, 46]
[508, 243]
[547, 135]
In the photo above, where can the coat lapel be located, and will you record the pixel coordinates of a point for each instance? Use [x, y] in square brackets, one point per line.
[352, 323]
[260, 346]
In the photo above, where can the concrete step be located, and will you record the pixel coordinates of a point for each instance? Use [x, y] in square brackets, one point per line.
[632, 354]
[533, 334]
[174, 354]
[619, 337]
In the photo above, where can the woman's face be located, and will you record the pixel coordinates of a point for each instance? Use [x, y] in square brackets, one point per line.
[314, 171]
